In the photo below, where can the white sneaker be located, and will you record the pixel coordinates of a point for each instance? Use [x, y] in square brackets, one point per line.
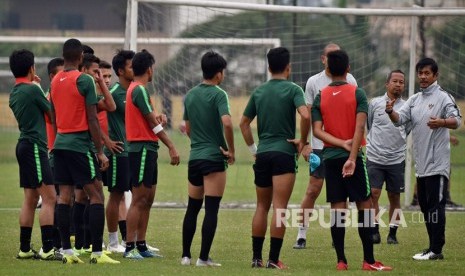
[151, 248]
[123, 244]
[186, 261]
[116, 249]
[208, 262]
[430, 255]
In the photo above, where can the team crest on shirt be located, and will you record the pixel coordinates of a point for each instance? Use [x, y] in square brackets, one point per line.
[430, 106]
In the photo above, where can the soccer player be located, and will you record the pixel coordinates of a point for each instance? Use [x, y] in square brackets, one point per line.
[386, 145]
[54, 66]
[74, 100]
[118, 172]
[313, 87]
[432, 112]
[342, 109]
[274, 103]
[207, 116]
[143, 129]
[29, 106]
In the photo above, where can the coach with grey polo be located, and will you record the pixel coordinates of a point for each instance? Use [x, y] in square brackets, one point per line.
[432, 112]
[386, 145]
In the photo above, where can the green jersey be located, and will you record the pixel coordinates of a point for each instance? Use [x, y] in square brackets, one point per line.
[28, 103]
[203, 107]
[79, 141]
[141, 99]
[275, 103]
[116, 126]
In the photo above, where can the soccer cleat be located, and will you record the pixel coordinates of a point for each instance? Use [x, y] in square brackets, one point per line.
[342, 266]
[376, 237]
[116, 249]
[149, 254]
[208, 262]
[430, 255]
[257, 263]
[186, 261]
[52, 255]
[275, 265]
[300, 244]
[422, 252]
[392, 240]
[376, 266]
[31, 254]
[151, 248]
[81, 251]
[102, 259]
[133, 254]
[71, 259]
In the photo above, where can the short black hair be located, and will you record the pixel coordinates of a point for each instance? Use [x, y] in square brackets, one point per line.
[72, 50]
[338, 63]
[142, 61]
[211, 64]
[87, 49]
[427, 62]
[119, 60]
[278, 59]
[104, 64]
[87, 61]
[20, 62]
[53, 64]
[389, 76]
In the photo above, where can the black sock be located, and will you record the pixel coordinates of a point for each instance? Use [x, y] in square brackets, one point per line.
[47, 237]
[141, 246]
[189, 225]
[338, 232]
[56, 232]
[210, 221]
[365, 232]
[257, 247]
[393, 230]
[86, 224]
[63, 216]
[130, 246]
[78, 219]
[376, 228]
[96, 225]
[275, 249]
[25, 238]
[72, 226]
[122, 229]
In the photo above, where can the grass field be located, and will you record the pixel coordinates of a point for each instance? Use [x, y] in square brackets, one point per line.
[232, 246]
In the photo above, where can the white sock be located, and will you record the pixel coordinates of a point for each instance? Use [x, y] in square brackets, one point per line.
[113, 238]
[302, 234]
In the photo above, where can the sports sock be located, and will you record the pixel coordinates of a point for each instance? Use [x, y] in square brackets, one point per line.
[275, 249]
[338, 232]
[113, 239]
[78, 219]
[47, 237]
[96, 225]
[257, 247]
[130, 246]
[190, 224]
[122, 229]
[210, 221]
[302, 234]
[56, 231]
[365, 231]
[86, 226]
[25, 238]
[375, 229]
[393, 229]
[63, 216]
[141, 246]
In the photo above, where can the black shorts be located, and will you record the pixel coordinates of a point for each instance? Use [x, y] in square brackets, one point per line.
[34, 169]
[268, 164]
[393, 175]
[143, 168]
[320, 171]
[118, 174]
[197, 169]
[355, 187]
[75, 168]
